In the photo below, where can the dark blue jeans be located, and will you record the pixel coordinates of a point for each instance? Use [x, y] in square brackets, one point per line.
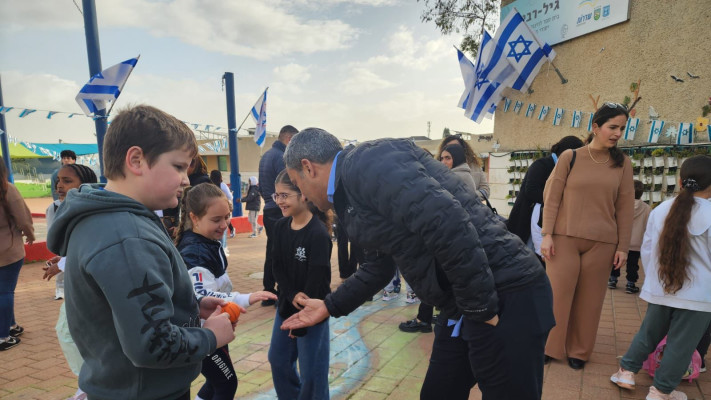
[312, 351]
[8, 280]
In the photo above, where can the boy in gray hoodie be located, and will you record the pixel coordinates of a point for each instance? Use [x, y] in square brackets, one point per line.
[129, 300]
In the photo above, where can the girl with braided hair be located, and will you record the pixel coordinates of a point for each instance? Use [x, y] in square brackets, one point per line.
[676, 253]
[69, 176]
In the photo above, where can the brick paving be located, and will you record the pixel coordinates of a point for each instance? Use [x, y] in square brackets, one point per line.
[370, 357]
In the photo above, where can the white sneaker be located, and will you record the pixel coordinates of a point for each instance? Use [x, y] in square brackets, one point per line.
[387, 296]
[623, 379]
[412, 298]
[655, 394]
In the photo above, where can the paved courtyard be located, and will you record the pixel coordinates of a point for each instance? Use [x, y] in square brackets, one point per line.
[370, 357]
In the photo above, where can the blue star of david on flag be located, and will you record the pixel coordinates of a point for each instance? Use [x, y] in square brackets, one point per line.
[526, 48]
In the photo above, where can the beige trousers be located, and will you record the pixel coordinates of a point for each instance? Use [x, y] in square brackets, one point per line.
[578, 274]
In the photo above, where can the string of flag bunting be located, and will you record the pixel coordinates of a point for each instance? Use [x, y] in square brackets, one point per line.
[682, 132]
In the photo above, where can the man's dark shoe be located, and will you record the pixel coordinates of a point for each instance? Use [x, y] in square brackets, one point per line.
[576, 363]
[267, 303]
[9, 343]
[612, 283]
[631, 288]
[414, 325]
[435, 319]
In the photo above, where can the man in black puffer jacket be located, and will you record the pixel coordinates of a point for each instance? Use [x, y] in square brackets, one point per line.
[406, 209]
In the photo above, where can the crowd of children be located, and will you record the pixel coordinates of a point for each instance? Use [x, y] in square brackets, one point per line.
[165, 296]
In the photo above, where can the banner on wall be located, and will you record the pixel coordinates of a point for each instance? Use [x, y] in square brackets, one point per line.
[685, 134]
[544, 113]
[655, 130]
[529, 110]
[560, 20]
[631, 128]
[577, 118]
[558, 118]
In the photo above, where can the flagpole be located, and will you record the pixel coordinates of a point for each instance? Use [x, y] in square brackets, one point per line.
[235, 179]
[113, 103]
[3, 141]
[562, 79]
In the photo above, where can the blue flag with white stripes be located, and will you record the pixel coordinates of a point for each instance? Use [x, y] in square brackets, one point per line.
[105, 87]
[259, 115]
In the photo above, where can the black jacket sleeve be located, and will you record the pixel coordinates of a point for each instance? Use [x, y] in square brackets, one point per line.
[373, 274]
[418, 204]
[536, 178]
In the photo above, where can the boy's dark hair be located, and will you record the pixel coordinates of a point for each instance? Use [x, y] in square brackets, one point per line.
[638, 189]
[68, 154]
[149, 128]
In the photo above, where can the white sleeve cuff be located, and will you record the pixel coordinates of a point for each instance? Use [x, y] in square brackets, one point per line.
[62, 262]
[240, 299]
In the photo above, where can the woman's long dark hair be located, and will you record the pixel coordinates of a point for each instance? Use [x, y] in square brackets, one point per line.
[602, 115]
[472, 158]
[325, 217]
[674, 244]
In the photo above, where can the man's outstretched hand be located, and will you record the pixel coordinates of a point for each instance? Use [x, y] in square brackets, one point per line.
[313, 312]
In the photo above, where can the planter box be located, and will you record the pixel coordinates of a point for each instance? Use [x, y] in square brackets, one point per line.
[645, 196]
[659, 161]
[672, 162]
[656, 197]
[671, 180]
[658, 179]
[648, 162]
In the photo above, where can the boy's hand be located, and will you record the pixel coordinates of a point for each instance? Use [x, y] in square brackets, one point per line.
[219, 323]
[208, 305]
[261, 296]
[299, 299]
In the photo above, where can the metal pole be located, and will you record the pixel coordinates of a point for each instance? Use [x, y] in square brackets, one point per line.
[93, 51]
[3, 140]
[235, 178]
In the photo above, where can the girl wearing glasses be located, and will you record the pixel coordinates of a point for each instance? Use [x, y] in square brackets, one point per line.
[302, 269]
[587, 224]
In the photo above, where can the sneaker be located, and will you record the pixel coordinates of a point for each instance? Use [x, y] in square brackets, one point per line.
[387, 296]
[252, 236]
[623, 379]
[9, 343]
[412, 298]
[612, 283]
[16, 331]
[655, 394]
[259, 231]
[414, 325]
[396, 289]
[631, 288]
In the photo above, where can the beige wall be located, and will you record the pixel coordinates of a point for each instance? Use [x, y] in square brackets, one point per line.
[660, 39]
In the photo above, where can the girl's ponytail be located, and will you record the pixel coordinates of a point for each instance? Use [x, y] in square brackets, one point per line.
[184, 219]
[674, 241]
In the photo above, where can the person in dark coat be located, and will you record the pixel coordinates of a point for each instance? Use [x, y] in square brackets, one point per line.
[271, 164]
[253, 202]
[406, 209]
[531, 194]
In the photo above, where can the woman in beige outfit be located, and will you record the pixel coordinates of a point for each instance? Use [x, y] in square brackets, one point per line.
[587, 222]
[15, 222]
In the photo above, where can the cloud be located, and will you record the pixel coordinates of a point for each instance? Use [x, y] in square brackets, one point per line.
[255, 29]
[361, 80]
[407, 51]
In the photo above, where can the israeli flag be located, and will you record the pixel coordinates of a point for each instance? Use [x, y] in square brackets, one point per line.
[686, 133]
[558, 116]
[517, 106]
[259, 115]
[631, 128]
[529, 110]
[522, 48]
[590, 122]
[26, 112]
[490, 77]
[543, 113]
[507, 105]
[49, 114]
[4, 110]
[577, 118]
[655, 130]
[105, 87]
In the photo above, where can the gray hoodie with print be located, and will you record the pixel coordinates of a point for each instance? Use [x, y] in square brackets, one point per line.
[130, 302]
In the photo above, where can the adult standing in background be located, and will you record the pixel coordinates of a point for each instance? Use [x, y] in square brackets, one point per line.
[15, 222]
[197, 172]
[587, 225]
[271, 164]
[526, 214]
[67, 157]
[473, 161]
[253, 203]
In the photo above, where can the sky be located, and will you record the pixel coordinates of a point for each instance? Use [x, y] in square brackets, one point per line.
[361, 69]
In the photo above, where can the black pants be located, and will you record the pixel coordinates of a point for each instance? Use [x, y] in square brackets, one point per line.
[632, 267]
[347, 264]
[270, 217]
[220, 377]
[424, 313]
[703, 346]
[507, 360]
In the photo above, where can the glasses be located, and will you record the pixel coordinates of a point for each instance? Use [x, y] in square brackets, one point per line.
[614, 105]
[282, 196]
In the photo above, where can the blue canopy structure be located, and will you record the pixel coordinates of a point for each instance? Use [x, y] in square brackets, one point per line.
[53, 149]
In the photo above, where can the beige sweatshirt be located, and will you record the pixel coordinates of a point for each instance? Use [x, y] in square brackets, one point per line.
[641, 215]
[12, 246]
[592, 201]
